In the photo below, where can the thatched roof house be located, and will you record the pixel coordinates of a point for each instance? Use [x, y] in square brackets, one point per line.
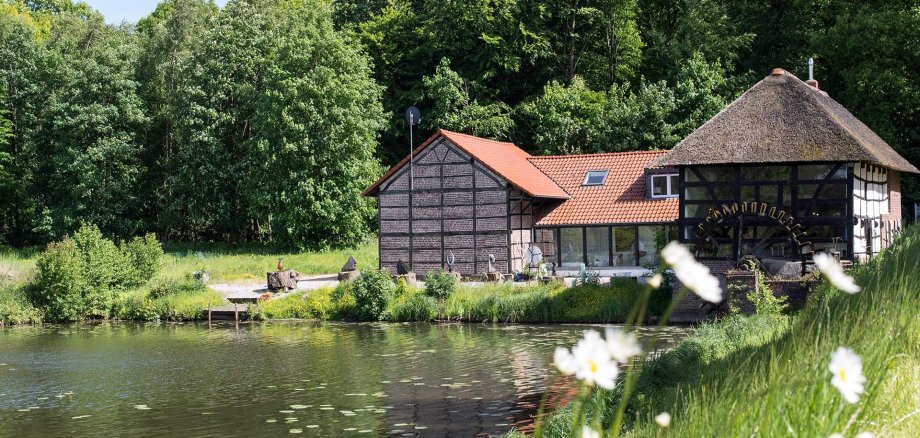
[783, 119]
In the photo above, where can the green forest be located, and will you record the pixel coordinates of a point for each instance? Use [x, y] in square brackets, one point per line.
[263, 121]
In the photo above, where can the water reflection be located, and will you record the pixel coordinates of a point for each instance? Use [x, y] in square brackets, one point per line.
[312, 379]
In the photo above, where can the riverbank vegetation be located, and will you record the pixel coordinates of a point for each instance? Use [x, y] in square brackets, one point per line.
[494, 303]
[768, 375]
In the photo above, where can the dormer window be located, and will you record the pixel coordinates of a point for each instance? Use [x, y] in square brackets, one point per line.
[595, 178]
[664, 185]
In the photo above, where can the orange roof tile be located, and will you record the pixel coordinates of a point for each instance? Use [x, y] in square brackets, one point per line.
[505, 159]
[622, 198]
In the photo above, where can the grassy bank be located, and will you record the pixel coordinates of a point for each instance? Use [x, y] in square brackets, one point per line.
[171, 295]
[762, 376]
[225, 263]
[504, 303]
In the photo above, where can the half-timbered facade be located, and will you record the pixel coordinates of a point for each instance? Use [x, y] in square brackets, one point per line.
[784, 172]
[462, 199]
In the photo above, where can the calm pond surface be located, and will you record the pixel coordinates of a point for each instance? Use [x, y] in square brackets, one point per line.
[277, 378]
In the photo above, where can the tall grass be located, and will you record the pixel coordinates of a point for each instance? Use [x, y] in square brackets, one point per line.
[767, 377]
[167, 300]
[499, 303]
[16, 264]
[543, 303]
[15, 307]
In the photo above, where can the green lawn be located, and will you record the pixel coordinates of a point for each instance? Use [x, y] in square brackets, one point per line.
[249, 264]
[226, 264]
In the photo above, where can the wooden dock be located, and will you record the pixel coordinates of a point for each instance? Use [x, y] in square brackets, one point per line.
[229, 312]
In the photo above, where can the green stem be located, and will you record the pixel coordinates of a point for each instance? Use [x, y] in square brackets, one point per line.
[636, 366]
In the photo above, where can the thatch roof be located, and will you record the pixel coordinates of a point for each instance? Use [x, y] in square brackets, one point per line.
[782, 119]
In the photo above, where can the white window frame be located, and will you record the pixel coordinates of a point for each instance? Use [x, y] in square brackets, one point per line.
[670, 192]
[588, 175]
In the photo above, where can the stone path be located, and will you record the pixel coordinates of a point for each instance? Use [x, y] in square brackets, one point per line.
[253, 291]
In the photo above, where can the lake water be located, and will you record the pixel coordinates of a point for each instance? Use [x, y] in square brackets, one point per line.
[277, 378]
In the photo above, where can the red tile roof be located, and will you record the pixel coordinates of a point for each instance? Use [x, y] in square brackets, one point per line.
[622, 198]
[505, 159]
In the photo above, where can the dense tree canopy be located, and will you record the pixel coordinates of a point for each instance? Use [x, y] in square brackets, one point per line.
[262, 120]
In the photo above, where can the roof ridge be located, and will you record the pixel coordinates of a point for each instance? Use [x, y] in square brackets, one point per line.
[449, 132]
[654, 151]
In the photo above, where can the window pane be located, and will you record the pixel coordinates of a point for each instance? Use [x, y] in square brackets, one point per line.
[820, 171]
[696, 194]
[748, 193]
[836, 190]
[674, 185]
[766, 173]
[571, 244]
[598, 246]
[624, 246]
[718, 174]
[651, 239]
[659, 185]
[830, 209]
[595, 177]
[769, 194]
[697, 210]
[725, 193]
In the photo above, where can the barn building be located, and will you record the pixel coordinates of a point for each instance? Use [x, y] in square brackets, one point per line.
[780, 173]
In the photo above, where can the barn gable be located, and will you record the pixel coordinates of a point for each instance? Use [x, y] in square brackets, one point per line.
[458, 207]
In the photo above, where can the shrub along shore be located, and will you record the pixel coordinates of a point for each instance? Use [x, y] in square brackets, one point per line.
[767, 375]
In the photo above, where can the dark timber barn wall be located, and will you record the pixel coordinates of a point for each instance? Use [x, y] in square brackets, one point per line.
[458, 206]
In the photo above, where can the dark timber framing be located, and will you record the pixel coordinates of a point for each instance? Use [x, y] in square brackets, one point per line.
[822, 203]
[457, 205]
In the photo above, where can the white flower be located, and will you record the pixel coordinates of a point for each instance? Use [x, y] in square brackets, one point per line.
[621, 345]
[691, 273]
[834, 273]
[654, 281]
[593, 364]
[836, 435]
[663, 419]
[564, 361]
[864, 435]
[588, 432]
[848, 378]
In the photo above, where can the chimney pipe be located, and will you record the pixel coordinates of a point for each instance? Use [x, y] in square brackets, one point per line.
[811, 74]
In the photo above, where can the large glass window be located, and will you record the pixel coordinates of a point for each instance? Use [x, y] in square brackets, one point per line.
[571, 244]
[598, 240]
[651, 239]
[624, 246]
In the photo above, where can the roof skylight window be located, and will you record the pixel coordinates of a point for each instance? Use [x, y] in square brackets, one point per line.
[595, 178]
